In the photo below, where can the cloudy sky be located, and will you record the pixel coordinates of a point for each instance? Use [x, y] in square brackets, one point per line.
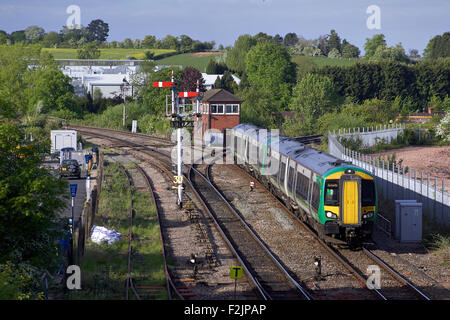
[411, 22]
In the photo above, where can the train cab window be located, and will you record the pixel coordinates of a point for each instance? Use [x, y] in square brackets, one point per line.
[367, 193]
[331, 193]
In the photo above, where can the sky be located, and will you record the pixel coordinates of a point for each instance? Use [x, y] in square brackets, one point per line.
[411, 22]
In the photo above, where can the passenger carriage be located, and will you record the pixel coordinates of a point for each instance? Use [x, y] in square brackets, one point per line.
[336, 198]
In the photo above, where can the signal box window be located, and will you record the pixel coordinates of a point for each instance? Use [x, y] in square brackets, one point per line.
[217, 108]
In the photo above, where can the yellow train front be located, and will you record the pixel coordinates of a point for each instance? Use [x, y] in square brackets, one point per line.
[349, 203]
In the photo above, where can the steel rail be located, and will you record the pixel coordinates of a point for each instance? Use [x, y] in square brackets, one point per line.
[361, 280]
[261, 243]
[394, 273]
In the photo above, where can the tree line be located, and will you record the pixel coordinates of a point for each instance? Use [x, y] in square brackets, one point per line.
[97, 31]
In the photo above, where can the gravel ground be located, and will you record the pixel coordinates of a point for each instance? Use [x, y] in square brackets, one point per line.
[294, 246]
[183, 238]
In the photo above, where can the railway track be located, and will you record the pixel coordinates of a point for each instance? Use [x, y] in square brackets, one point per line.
[392, 287]
[269, 286]
[271, 278]
[272, 282]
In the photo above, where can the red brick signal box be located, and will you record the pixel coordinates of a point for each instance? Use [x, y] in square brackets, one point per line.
[220, 110]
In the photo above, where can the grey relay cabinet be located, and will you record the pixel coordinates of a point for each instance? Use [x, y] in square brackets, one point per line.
[408, 220]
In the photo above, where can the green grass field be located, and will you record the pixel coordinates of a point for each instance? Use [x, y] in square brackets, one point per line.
[197, 60]
[107, 53]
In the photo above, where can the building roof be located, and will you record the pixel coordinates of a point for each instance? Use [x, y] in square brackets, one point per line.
[220, 95]
[210, 79]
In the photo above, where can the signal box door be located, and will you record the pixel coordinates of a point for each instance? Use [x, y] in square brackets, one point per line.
[350, 204]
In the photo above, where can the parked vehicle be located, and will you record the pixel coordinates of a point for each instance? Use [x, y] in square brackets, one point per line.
[70, 168]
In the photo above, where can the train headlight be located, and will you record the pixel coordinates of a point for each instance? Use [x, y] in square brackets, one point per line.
[331, 215]
[368, 215]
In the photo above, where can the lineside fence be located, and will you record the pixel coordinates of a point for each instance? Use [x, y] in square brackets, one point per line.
[393, 183]
[84, 224]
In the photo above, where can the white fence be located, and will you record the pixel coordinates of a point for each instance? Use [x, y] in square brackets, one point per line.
[393, 183]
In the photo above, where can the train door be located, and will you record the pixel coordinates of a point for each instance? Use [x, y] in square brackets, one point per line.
[350, 199]
[291, 178]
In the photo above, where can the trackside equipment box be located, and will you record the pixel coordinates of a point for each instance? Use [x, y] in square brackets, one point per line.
[63, 139]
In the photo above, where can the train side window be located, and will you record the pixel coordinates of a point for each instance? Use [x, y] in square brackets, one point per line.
[315, 196]
[291, 177]
[302, 185]
[274, 163]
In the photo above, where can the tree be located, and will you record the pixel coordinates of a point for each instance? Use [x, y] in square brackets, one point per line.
[30, 197]
[51, 39]
[170, 42]
[73, 35]
[3, 37]
[373, 43]
[396, 53]
[149, 42]
[334, 53]
[34, 34]
[189, 80]
[18, 36]
[269, 66]
[443, 129]
[290, 39]
[438, 47]
[89, 51]
[97, 30]
[211, 68]
[235, 59]
[185, 43]
[312, 97]
[349, 50]
[334, 41]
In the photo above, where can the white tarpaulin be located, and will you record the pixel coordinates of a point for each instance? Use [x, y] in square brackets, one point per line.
[100, 234]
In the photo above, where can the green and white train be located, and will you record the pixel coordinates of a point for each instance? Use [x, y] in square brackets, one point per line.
[336, 198]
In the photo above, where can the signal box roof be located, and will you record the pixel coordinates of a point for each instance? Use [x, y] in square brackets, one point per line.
[220, 95]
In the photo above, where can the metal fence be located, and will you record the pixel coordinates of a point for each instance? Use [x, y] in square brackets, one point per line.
[84, 223]
[393, 183]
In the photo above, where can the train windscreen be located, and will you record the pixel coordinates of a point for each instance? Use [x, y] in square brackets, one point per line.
[368, 193]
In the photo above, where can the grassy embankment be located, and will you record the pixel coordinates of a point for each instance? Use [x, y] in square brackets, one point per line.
[106, 53]
[104, 267]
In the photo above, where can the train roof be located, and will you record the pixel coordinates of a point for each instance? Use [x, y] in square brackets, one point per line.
[318, 161]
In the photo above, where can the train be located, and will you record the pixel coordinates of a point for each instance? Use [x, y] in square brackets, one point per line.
[334, 197]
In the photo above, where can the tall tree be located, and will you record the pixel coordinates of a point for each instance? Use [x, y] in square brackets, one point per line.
[373, 43]
[334, 41]
[438, 47]
[290, 39]
[34, 34]
[30, 198]
[89, 51]
[98, 30]
[189, 80]
[236, 56]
